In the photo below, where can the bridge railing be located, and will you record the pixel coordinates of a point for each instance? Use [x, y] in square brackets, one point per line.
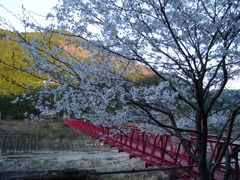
[157, 150]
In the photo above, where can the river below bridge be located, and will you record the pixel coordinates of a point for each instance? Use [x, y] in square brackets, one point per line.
[30, 146]
[56, 160]
[45, 146]
[21, 153]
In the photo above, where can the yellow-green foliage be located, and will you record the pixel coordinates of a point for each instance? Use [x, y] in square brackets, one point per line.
[13, 81]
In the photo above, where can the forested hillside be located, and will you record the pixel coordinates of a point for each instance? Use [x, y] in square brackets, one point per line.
[15, 78]
[12, 80]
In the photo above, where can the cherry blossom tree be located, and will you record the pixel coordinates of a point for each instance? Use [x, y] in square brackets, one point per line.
[190, 49]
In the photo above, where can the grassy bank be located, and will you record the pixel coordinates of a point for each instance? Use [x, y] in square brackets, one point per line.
[41, 129]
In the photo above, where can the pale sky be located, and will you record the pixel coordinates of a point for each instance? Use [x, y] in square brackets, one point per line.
[41, 7]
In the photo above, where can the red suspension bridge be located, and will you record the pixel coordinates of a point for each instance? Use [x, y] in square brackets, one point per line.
[158, 150]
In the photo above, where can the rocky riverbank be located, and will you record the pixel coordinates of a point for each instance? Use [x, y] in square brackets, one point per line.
[58, 147]
[99, 160]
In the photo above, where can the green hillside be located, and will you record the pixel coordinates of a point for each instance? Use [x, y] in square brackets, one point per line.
[13, 81]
